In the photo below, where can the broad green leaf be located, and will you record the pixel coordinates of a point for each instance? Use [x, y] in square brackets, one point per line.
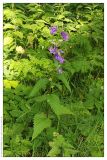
[41, 84]
[46, 32]
[57, 107]
[9, 26]
[9, 13]
[59, 17]
[64, 80]
[9, 84]
[8, 40]
[30, 38]
[18, 34]
[17, 21]
[58, 23]
[54, 152]
[40, 123]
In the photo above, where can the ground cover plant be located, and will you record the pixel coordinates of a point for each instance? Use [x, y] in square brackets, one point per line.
[53, 80]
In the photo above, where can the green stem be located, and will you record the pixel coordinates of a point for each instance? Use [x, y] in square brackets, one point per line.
[58, 124]
[13, 6]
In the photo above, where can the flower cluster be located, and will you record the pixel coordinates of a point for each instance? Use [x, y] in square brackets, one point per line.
[64, 35]
[54, 49]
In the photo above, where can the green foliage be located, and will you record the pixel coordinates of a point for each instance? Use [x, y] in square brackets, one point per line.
[64, 80]
[56, 106]
[59, 147]
[26, 70]
[40, 123]
[38, 86]
[47, 113]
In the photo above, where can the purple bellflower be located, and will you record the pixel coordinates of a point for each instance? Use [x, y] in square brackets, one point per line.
[53, 30]
[65, 35]
[53, 50]
[59, 58]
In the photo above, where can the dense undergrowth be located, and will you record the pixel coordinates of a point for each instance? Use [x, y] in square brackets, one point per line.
[53, 108]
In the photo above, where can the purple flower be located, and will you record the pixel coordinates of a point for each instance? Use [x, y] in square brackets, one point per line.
[59, 58]
[53, 30]
[53, 50]
[60, 71]
[61, 51]
[65, 35]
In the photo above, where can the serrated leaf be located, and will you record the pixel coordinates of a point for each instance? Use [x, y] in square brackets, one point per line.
[57, 107]
[38, 86]
[54, 152]
[40, 123]
[41, 98]
[64, 80]
[15, 113]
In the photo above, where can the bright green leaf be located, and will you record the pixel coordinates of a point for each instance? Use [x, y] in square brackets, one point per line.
[40, 123]
[41, 84]
[57, 107]
[64, 80]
